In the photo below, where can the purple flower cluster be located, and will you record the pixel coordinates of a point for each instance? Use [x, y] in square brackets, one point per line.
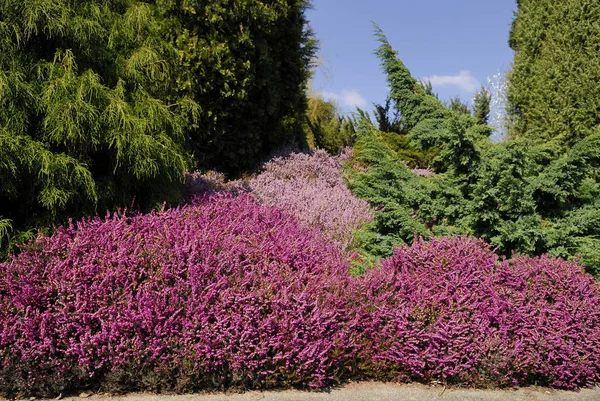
[310, 186]
[448, 310]
[198, 184]
[216, 294]
[423, 172]
[224, 293]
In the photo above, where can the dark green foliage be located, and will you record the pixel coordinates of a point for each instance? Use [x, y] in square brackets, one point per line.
[431, 125]
[410, 97]
[518, 198]
[502, 207]
[405, 204]
[408, 151]
[481, 105]
[84, 120]
[458, 106]
[105, 102]
[246, 63]
[457, 139]
[528, 203]
[554, 87]
[325, 128]
[428, 87]
[384, 121]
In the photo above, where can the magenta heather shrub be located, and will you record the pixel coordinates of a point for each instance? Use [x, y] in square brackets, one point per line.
[307, 185]
[211, 182]
[215, 294]
[311, 187]
[197, 183]
[224, 292]
[448, 310]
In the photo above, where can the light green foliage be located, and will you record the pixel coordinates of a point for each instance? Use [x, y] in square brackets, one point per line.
[391, 132]
[84, 120]
[102, 102]
[554, 87]
[325, 128]
[5, 229]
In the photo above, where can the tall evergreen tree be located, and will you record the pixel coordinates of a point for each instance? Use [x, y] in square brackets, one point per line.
[84, 122]
[451, 132]
[325, 128]
[384, 122]
[247, 64]
[412, 99]
[554, 87]
[458, 106]
[105, 101]
[481, 105]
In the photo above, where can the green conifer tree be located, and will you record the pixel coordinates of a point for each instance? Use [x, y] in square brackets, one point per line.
[326, 129]
[458, 106]
[247, 64]
[85, 124]
[481, 105]
[103, 102]
[554, 87]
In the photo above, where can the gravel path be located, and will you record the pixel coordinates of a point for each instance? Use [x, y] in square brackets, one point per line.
[368, 392]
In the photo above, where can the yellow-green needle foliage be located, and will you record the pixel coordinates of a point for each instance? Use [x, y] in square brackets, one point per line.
[88, 120]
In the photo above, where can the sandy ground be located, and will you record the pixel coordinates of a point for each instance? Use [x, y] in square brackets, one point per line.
[368, 392]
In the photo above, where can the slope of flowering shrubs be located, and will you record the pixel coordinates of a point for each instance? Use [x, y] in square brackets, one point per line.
[226, 293]
[215, 294]
[310, 186]
[448, 310]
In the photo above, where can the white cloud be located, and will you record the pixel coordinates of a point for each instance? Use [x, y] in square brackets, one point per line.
[464, 80]
[346, 98]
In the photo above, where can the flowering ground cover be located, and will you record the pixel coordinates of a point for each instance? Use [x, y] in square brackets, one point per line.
[227, 293]
[222, 293]
[448, 310]
[310, 186]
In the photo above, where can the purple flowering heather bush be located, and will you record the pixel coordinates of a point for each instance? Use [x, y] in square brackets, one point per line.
[448, 310]
[215, 294]
[310, 186]
[226, 293]
[198, 184]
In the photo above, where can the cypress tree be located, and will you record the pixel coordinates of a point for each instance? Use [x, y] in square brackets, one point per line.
[481, 105]
[247, 64]
[103, 102]
[554, 87]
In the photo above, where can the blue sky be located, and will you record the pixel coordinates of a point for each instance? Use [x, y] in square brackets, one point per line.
[456, 44]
